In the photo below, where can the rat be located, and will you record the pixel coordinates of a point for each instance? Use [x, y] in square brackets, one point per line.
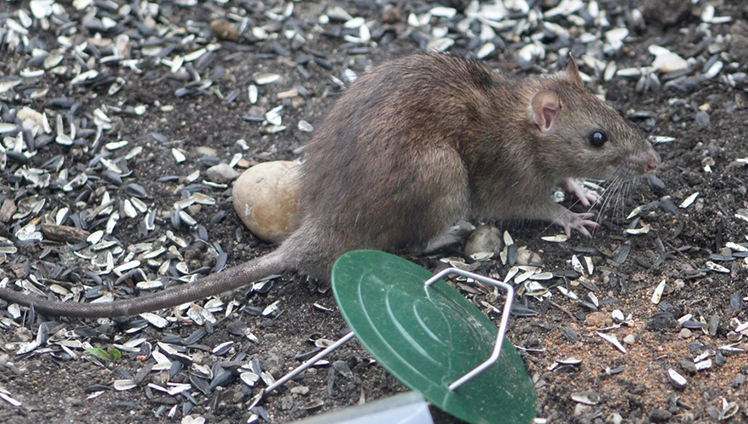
[416, 145]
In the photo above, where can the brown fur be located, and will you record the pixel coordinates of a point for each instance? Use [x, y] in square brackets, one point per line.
[416, 145]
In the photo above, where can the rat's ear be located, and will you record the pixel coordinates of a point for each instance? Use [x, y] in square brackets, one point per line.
[572, 72]
[544, 108]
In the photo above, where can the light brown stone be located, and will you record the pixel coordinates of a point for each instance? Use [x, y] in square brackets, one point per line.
[685, 333]
[486, 238]
[7, 210]
[595, 319]
[266, 198]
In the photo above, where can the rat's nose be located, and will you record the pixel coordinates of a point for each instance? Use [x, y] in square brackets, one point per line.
[652, 162]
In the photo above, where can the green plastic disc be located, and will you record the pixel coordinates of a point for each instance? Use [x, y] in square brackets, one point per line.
[430, 337]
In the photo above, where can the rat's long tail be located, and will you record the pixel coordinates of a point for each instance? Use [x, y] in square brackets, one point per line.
[276, 262]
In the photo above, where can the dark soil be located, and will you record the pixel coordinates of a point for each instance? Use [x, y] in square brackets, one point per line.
[54, 386]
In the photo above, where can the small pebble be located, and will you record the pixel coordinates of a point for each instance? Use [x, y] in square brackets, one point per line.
[702, 119]
[595, 319]
[685, 333]
[221, 173]
[528, 257]
[738, 381]
[206, 151]
[287, 402]
[660, 416]
[7, 210]
[392, 15]
[224, 29]
[629, 339]
[614, 418]
[581, 409]
[22, 334]
[486, 238]
[300, 390]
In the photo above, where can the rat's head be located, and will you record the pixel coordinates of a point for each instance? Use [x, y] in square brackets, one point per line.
[587, 137]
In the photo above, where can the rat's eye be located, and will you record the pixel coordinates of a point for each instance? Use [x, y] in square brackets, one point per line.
[598, 138]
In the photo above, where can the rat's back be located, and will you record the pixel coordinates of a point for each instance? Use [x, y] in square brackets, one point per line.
[383, 171]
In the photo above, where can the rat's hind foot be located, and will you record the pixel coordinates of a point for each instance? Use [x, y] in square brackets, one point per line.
[578, 221]
[586, 197]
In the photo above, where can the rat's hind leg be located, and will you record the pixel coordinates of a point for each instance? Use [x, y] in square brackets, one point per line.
[397, 201]
[426, 195]
[575, 221]
[453, 235]
[444, 187]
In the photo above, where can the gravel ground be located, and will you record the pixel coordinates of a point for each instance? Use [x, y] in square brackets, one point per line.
[174, 96]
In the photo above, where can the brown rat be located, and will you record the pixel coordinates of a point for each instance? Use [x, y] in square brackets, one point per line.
[416, 145]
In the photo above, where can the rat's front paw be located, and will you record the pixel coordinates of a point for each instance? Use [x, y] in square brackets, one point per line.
[578, 221]
[586, 197]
